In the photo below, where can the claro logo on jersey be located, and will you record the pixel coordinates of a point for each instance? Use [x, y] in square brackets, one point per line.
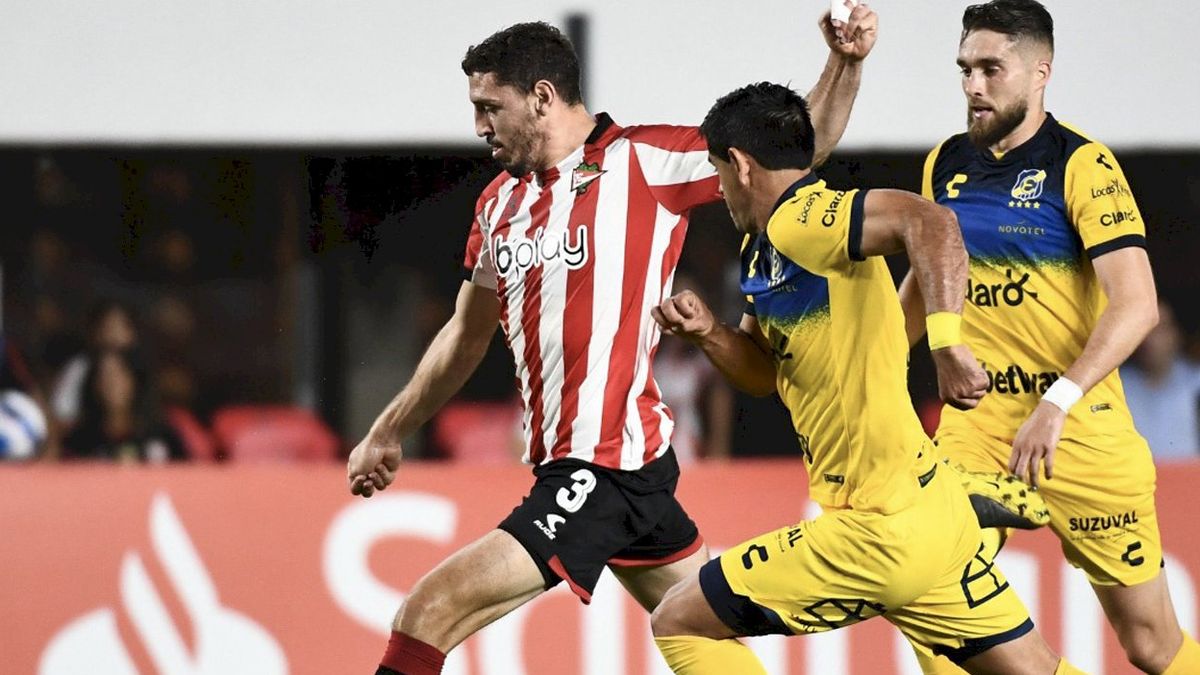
[524, 253]
[1016, 380]
[829, 215]
[1118, 217]
[1011, 293]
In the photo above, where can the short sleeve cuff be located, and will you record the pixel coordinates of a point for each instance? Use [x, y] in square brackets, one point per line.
[854, 240]
[1111, 245]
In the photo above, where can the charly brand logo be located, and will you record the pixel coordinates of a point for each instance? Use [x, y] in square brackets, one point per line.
[523, 253]
[224, 641]
[1028, 188]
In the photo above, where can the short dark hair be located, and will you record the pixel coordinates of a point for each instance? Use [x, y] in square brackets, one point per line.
[525, 53]
[769, 122]
[1019, 19]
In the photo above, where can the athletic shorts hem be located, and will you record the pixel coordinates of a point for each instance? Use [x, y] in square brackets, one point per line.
[741, 614]
[975, 646]
[655, 562]
[549, 576]
[556, 565]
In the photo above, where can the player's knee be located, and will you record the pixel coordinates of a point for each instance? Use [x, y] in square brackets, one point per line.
[425, 613]
[1145, 647]
[669, 617]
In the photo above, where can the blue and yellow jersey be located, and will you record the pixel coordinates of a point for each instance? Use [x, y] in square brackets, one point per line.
[836, 330]
[1033, 220]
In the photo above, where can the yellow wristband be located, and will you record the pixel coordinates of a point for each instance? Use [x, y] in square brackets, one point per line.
[944, 328]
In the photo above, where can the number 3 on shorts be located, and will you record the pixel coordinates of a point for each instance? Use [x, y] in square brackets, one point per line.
[571, 500]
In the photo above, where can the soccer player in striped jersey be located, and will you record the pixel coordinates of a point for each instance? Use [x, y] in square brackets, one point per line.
[570, 248]
[1060, 292]
[824, 328]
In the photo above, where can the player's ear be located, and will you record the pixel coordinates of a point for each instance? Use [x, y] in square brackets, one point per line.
[1043, 69]
[544, 95]
[742, 163]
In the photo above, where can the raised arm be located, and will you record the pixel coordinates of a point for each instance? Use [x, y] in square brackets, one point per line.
[832, 98]
[453, 355]
[895, 221]
[741, 354]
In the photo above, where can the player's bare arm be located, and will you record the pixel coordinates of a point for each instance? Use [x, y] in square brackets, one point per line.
[914, 308]
[453, 355]
[894, 220]
[741, 354]
[1132, 310]
[832, 98]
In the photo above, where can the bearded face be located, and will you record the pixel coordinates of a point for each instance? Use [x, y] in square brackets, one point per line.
[987, 126]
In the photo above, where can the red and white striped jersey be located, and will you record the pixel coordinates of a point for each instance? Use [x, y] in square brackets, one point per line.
[578, 255]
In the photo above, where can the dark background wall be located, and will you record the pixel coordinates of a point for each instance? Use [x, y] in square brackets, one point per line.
[310, 275]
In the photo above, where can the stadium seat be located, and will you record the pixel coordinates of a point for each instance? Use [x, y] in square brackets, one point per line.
[479, 432]
[197, 440]
[273, 433]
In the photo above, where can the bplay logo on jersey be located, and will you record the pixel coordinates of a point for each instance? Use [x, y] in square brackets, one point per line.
[522, 253]
[222, 641]
[1028, 188]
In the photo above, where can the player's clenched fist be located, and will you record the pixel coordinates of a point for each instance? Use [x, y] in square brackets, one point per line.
[372, 466]
[684, 314]
[854, 35]
[961, 380]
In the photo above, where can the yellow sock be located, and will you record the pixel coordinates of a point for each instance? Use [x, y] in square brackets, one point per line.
[1065, 668]
[1187, 659]
[936, 665]
[690, 655]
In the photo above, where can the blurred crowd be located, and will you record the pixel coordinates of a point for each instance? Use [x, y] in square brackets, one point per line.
[150, 315]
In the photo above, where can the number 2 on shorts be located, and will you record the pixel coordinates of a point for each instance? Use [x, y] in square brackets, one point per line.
[571, 500]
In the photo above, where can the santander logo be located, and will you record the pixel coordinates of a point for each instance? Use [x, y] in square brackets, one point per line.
[226, 642]
[523, 253]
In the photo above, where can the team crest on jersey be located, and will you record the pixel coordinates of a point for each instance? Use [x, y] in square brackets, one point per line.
[1028, 188]
[776, 267]
[583, 175]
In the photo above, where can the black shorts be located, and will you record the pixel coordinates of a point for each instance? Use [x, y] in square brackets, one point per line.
[579, 517]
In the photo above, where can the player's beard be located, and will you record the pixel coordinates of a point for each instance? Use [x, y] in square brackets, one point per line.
[521, 148]
[986, 134]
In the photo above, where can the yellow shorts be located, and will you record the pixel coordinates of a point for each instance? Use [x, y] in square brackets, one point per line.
[1101, 498]
[920, 568]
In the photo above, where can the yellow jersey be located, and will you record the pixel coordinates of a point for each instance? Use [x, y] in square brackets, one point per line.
[1032, 221]
[836, 330]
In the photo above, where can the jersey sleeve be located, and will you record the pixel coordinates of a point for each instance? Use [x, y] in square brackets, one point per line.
[478, 266]
[674, 161]
[820, 230]
[927, 173]
[749, 308]
[1099, 202]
